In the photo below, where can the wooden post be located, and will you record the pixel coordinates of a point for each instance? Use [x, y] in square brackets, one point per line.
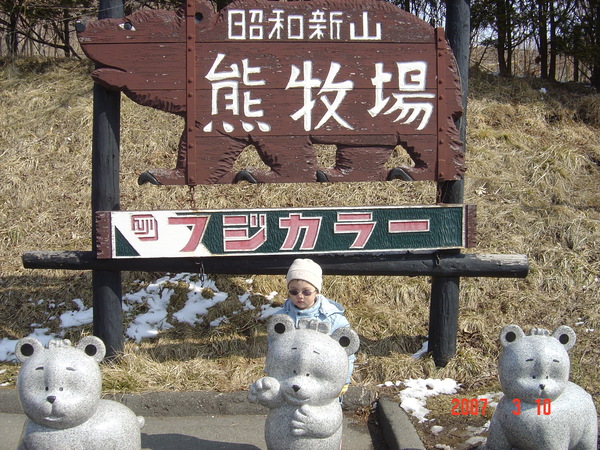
[106, 285]
[443, 311]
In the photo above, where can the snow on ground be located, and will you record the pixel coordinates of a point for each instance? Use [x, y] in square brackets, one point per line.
[153, 300]
[413, 399]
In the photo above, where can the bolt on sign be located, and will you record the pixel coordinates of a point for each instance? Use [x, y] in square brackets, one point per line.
[364, 76]
[173, 234]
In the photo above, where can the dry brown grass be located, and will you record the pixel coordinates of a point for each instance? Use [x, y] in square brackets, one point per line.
[534, 174]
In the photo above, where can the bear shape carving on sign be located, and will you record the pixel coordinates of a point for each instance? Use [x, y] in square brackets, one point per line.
[283, 77]
[541, 408]
[60, 391]
[306, 369]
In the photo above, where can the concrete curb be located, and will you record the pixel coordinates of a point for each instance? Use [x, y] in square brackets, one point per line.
[397, 430]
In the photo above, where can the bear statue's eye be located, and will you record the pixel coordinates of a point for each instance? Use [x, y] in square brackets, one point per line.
[295, 373]
[61, 389]
[308, 374]
[533, 377]
[47, 388]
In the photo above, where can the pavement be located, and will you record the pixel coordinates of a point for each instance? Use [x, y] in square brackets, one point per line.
[228, 421]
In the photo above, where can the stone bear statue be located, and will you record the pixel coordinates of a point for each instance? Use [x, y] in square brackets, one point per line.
[306, 369]
[59, 389]
[541, 408]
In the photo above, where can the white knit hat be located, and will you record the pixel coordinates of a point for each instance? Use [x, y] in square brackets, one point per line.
[307, 270]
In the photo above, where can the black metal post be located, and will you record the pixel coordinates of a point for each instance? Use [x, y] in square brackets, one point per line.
[443, 311]
[106, 285]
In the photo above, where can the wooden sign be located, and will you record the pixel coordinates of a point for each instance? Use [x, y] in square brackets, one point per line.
[173, 234]
[282, 76]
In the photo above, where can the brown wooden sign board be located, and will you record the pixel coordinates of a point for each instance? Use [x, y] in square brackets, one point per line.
[282, 76]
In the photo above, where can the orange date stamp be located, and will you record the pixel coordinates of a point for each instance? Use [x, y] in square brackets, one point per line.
[544, 406]
[477, 406]
[468, 406]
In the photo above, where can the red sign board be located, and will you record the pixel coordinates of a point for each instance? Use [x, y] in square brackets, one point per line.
[283, 76]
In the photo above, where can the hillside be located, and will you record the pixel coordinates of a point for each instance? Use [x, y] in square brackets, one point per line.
[533, 158]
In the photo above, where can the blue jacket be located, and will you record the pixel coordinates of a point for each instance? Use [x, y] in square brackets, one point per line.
[324, 310]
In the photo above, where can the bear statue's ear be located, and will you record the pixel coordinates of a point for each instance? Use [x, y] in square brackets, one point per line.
[279, 324]
[347, 338]
[510, 334]
[93, 347]
[26, 348]
[566, 336]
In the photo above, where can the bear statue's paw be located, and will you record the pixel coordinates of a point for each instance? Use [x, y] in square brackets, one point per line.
[264, 390]
[300, 421]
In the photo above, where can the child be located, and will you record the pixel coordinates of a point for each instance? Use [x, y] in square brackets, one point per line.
[304, 280]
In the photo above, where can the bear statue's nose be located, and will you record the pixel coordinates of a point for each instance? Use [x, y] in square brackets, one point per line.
[542, 386]
[296, 388]
[51, 398]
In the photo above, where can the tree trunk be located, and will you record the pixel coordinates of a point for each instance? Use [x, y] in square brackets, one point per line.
[595, 78]
[595, 58]
[66, 36]
[12, 40]
[553, 46]
[502, 23]
[543, 37]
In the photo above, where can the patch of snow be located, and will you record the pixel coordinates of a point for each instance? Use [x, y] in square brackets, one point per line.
[245, 300]
[475, 440]
[77, 318]
[267, 311]
[436, 429]
[7, 349]
[492, 398]
[422, 351]
[414, 398]
[219, 321]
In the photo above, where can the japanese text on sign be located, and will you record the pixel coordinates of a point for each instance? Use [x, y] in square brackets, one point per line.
[239, 232]
[258, 24]
[231, 91]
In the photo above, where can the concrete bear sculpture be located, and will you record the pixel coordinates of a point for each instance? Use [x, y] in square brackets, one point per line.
[364, 75]
[306, 369]
[541, 408]
[59, 389]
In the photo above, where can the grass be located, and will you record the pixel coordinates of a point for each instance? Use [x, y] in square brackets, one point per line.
[533, 156]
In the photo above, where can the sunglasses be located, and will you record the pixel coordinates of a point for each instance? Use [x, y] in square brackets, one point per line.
[305, 292]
